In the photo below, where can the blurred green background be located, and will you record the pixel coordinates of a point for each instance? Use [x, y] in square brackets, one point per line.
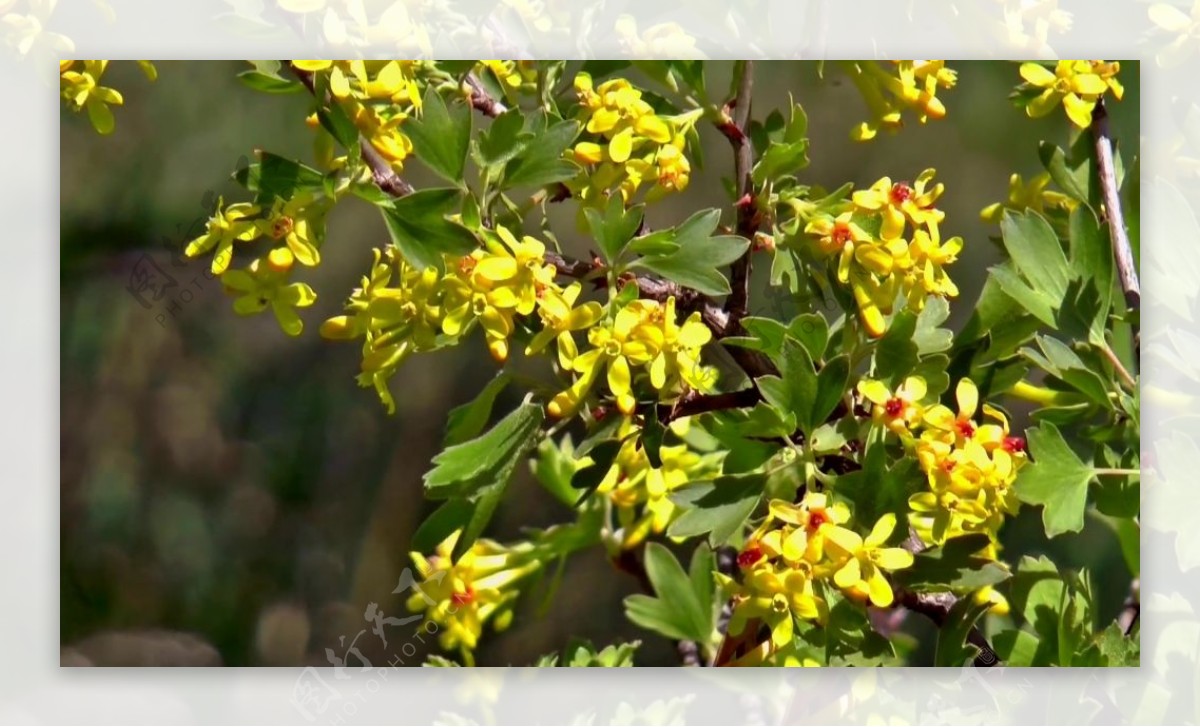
[230, 496]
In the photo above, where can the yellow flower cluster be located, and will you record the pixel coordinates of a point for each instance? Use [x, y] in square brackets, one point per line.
[879, 268]
[640, 492]
[799, 552]
[294, 226]
[627, 144]
[378, 96]
[512, 75]
[1032, 196]
[643, 334]
[79, 85]
[970, 467]
[461, 597]
[1078, 85]
[911, 85]
[426, 309]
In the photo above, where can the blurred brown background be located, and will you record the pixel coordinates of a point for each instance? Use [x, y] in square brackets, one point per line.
[230, 496]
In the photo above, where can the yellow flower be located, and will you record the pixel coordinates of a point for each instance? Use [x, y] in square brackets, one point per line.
[812, 519]
[265, 284]
[776, 594]
[900, 201]
[1078, 85]
[642, 334]
[227, 225]
[560, 316]
[914, 86]
[494, 284]
[294, 221]
[862, 574]
[899, 411]
[640, 492]
[82, 90]
[461, 597]
[838, 235]
[970, 469]
[930, 256]
[1033, 195]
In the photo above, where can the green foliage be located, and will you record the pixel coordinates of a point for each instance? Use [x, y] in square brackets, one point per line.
[841, 449]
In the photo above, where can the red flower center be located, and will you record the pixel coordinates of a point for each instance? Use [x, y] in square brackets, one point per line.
[816, 519]
[1014, 444]
[894, 407]
[841, 233]
[749, 556]
[901, 193]
[466, 265]
[463, 598]
[965, 428]
[283, 226]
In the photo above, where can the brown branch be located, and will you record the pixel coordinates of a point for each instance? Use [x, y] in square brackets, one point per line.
[381, 171]
[747, 224]
[936, 607]
[693, 403]
[1106, 170]
[482, 100]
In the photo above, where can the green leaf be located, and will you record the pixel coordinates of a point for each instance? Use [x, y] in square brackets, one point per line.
[717, 508]
[333, 117]
[603, 453]
[465, 468]
[695, 264]
[1038, 303]
[952, 648]
[553, 469]
[503, 140]
[1037, 594]
[441, 135]
[542, 161]
[927, 336]
[516, 433]
[831, 386]
[418, 226]
[788, 155]
[441, 524]
[812, 331]
[1092, 271]
[269, 83]
[677, 612]
[1016, 647]
[1117, 648]
[274, 176]
[660, 242]
[582, 654]
[1073, 181]
[467, 421]
[1036, 252]
[954, 566]
[799, 380]
[614, 227]
[896, 353]
[1056, 479]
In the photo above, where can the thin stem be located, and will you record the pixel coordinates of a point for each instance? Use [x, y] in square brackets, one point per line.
[1122, 250]
[381, 171]
[1111, 355]
[743, 160]
[1117, 472]
[482, 100]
